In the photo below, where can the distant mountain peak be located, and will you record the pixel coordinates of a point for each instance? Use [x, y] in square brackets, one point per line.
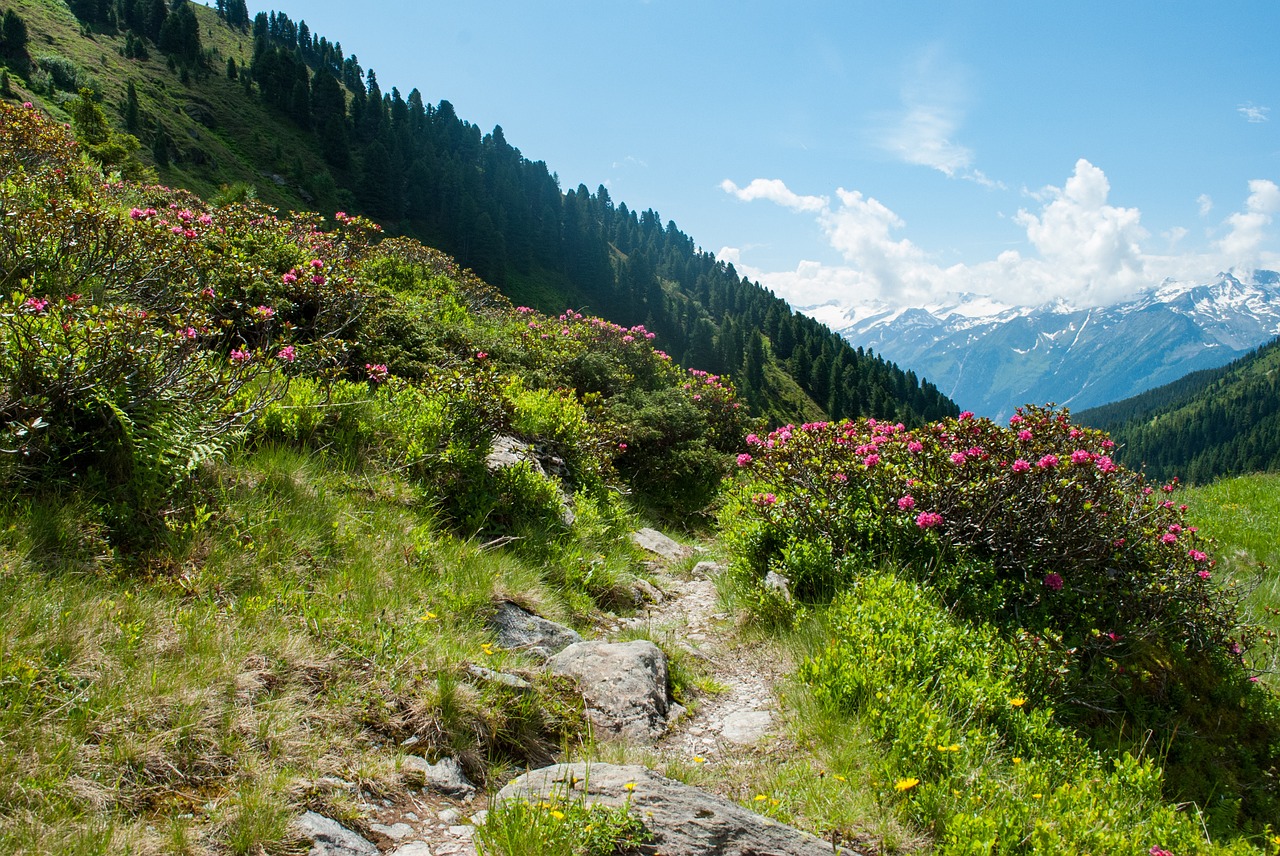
[991, 357]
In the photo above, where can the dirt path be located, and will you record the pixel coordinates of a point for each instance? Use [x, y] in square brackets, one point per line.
[729, 717]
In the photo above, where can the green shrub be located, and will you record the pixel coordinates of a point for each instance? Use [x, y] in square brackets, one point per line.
[1033, 530]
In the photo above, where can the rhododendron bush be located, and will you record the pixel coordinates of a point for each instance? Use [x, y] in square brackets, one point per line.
[1037, 514]
[1110, 597]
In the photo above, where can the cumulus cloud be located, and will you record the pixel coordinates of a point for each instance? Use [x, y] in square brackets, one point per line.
[1080, 248]
[1253, 113]
[1205, 204]
[1248, 228]
[774, 190]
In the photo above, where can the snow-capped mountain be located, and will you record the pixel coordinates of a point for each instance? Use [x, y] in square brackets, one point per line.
[990, 358]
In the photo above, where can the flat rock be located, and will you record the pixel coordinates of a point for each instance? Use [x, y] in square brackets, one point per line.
[413, 848]
[655, 542]
[396, 831]
[330, 838]
[746, 726]
[444, 777]
[490, 676]
[624, 685]
[683, 820]
[518, 629]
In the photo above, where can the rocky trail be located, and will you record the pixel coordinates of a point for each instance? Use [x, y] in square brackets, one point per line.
[730, 719]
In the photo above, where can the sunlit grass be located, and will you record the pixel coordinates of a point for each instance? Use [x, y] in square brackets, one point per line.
[316, 621]
[1242, 515]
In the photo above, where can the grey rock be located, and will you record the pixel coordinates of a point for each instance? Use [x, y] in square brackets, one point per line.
[624, 684]
[396, 831]
[746, 726]
[508, 452]
[413, 848]
[643, 591]
[707, 569]
[776, 582]
[683, 820]
[518, 629]
[449, 815]
[444, 777]
[492, 677]
[330, 838]
[655, 542]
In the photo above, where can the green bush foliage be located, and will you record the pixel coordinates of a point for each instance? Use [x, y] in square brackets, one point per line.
[1098, 580]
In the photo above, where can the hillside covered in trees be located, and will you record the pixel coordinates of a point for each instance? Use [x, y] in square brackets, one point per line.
[216, 100]
[1211, 423]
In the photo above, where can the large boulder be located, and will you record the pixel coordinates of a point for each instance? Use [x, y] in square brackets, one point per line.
[683, 820]
[624, 685]
[520, 630]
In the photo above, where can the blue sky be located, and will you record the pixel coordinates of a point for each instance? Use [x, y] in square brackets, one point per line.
[853, 151]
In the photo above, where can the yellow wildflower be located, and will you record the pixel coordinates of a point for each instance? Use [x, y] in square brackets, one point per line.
[906, 784]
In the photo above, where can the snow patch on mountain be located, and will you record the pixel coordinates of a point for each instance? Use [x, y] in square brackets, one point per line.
[991, 357]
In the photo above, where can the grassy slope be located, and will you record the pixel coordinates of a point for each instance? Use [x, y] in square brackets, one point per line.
[240, 133]
[1240, 514]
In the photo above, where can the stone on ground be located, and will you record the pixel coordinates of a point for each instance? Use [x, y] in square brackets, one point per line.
[444, 777]
[683, 820]
[624, 685]
[330, 838]
[660, 545]
[520, 630]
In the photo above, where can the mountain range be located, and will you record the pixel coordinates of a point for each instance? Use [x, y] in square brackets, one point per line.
[991, 358]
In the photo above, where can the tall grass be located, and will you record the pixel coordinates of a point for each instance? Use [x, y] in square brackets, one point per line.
[307, 629]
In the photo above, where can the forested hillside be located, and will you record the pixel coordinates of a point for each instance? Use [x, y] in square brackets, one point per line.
[214, 99]
[1209, 424]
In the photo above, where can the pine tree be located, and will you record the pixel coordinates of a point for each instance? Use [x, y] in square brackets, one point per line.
[131, 118]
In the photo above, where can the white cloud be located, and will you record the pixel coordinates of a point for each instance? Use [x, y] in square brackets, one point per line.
[923, 137]
[1248, 228]
[1205, 204]
[1078, 231]
[1253, 113]
[1080, 248]
[775, 191]
[923, 132]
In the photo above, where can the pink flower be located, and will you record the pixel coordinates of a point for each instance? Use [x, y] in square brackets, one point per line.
[1081, 456]
[744, 459]
[290, 277]
[317, 264]
[957, 458]
[915, 446]
[482, 355]
[204, 220]
[27, 104]
[36, 304]
[523, 310]
[1202, 574]
[966, 415]
[1198, 556]
[764, 499]
[928, 519]
[1106, 465]
[840, 477]
[906, 503]
[189, 333]
[754, 440]
[240, 355]
[1053, 581]
[622, 447]
[870, 461]
[318, 279]
[1024, 435]
[1021, 466]
[265, 311]
[287, 353]
[1158, 851]
[628, 339]
[1168, 538]
[377, 372]
[1015, 420]
[1048, 462]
